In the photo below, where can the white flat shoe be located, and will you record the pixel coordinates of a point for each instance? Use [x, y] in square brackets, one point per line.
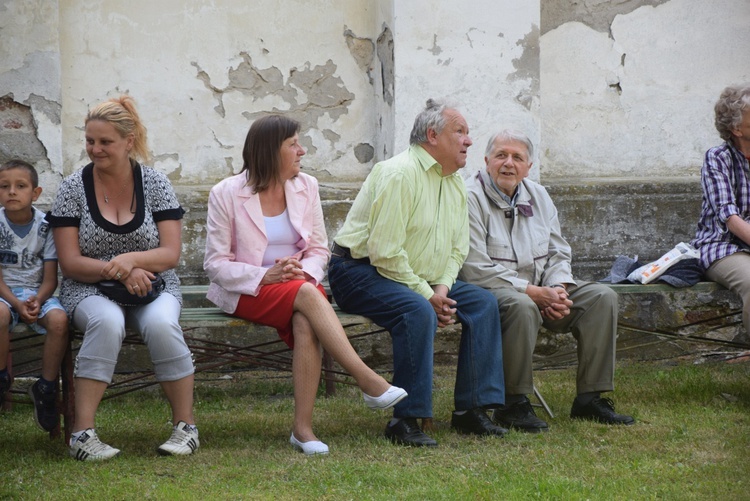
[310, 448]
[388, 399]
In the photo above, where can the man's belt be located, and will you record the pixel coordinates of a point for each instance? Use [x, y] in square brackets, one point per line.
[342, 252]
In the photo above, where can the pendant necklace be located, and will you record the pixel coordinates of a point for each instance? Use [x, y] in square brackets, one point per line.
[106, 197]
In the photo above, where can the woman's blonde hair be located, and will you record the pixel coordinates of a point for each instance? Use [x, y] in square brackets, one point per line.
[121, 113]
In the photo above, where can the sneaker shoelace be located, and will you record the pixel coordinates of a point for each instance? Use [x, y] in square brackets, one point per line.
[94, 446]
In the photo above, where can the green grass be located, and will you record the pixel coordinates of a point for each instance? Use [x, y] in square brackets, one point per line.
[691, 441]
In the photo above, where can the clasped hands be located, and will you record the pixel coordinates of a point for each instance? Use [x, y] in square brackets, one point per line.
[136, 280]
[553, 302]
[285, 269]
[29, 310]
[444, 306]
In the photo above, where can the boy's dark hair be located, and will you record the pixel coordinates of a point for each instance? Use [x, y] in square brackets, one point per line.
[20, 164]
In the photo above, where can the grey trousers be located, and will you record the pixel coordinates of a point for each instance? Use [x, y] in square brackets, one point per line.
[733, 272]
[103, 324]
[592, 321]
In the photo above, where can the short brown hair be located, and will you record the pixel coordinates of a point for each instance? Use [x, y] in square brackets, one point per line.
[260, 154]
[20, 164]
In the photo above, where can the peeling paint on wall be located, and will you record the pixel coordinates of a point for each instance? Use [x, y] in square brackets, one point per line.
[527, 67]
[364, 152]
[362, 50]
[385, 55]
[311, 92]
[18, 134]
[597, 14]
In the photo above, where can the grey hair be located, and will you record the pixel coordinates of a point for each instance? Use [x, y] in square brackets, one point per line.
[431, 117]
[510, 135]
[734, 100]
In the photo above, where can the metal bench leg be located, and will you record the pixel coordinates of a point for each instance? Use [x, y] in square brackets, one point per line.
[543, 404]
[68, 390]
[7, 403]
[327, 368]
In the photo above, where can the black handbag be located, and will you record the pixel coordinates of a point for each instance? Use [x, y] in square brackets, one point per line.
[117, 292]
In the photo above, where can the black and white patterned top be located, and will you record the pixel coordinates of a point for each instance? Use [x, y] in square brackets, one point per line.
[98, 238]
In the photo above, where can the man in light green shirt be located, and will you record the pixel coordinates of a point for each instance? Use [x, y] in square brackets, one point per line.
[396, 260]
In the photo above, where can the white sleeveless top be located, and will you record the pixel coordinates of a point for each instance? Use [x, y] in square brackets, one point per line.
[282, 238]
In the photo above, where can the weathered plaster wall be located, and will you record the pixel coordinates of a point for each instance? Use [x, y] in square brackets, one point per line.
[203, 71]
[482, 55]
[628, 87]
[612, 91]
[30, 93]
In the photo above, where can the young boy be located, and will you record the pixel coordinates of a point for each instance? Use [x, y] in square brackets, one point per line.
[28, 278]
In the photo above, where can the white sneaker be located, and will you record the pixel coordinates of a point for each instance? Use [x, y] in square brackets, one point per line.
[184, 441]
[388, 399]
[88, 447]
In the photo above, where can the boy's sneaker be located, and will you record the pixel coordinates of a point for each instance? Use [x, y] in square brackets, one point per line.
[88, 447]
[45, 407]
[4, 387]
[184, 441]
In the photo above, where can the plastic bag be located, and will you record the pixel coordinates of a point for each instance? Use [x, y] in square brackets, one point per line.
[651, 271]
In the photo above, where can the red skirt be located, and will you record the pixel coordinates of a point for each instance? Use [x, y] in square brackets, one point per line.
[273, 306]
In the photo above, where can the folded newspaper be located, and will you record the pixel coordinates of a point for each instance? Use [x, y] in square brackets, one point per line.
[651, 271]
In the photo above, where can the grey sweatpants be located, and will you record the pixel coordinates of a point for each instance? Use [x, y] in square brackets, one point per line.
[103, 324]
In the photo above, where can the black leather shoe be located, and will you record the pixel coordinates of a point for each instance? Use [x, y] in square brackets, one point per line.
[475, 422]
[519, 416]
[408, 432]
[601, 410]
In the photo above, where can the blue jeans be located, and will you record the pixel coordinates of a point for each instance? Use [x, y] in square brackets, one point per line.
[359, 289]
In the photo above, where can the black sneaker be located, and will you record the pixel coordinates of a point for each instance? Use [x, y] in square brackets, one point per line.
[4, 387]
[476, 422]
[601, 410]
[45, 407]
[408, 432]
[519, 416]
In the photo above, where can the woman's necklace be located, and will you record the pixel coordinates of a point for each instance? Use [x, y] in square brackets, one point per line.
[107, 197]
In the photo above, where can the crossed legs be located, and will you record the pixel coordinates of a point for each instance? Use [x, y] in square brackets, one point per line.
[315, 326]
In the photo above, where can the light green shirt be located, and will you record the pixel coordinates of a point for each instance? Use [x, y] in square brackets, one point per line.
[410, 221]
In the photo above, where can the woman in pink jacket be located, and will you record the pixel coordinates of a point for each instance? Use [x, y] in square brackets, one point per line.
[266, 254]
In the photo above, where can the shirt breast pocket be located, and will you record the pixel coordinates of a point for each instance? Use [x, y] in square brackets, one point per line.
[500, 250]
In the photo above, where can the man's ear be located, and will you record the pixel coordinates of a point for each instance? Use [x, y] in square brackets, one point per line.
[36, 192]
[531, 165]
[432, 136]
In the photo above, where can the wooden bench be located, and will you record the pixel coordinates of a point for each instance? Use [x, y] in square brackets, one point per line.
[210, 355]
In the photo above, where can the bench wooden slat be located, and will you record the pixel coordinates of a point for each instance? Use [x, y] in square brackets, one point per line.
[199, 312]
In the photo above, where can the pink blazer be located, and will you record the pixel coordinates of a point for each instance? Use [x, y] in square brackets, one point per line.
[236, 237]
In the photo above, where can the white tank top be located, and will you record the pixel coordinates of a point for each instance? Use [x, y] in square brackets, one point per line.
[282, 238]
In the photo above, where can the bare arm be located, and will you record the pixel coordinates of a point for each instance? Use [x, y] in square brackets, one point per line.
[739, 228]
[90, 270]
[49, 282]
[162, 258]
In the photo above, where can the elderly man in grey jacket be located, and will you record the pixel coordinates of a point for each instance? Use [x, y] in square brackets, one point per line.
[518, 253]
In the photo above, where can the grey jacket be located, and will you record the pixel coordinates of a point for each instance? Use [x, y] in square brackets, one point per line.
[514, 246]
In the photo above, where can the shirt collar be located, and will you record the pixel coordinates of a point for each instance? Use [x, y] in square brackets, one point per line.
[426, 161]
[508, 200]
